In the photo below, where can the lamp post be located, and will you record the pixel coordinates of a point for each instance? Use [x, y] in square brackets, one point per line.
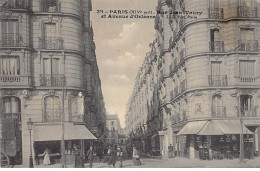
[30, 125]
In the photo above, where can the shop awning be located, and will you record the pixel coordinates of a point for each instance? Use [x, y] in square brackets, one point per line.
[210, 128]
[53, 132]
[192, 127]
[231, 127]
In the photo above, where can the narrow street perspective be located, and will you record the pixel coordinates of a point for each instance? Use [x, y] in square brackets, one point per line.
[129, 83]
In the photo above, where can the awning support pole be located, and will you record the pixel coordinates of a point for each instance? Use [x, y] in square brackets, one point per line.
[63, 161]
[241, 135]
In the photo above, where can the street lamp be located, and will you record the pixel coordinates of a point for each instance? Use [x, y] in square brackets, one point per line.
[30, 125]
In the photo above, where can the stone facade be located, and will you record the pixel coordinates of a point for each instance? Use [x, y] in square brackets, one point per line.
[208, 68]
[53, 44]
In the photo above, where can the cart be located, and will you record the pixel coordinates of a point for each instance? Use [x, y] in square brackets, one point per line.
[10, 141]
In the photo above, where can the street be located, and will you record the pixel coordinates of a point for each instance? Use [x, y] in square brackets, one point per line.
[174, 163]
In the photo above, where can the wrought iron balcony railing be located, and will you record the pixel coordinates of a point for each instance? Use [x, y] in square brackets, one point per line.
[218, 111]
[58, 80]
[11, 40]
[11, 116]
[246, 12]
[249, 112]
[54, 43]
[52, 115]
[17, 4]
[217, 80]
[216, 46]
[248, 79]
[216, 13]
[183, 86]
[248, 45]
[10, 78]
[52, 6]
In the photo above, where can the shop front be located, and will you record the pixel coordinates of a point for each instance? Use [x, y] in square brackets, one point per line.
[49, 136]
[216, 139]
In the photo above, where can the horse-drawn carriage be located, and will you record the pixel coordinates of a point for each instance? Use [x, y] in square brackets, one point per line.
[10, 140]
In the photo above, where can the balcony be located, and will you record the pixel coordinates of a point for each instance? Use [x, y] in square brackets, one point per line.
[248, 45]
[50, 6]
[218, 111]
[51, 43]
[246, 12]
[248, 79]
[183, 86]
[11, 40]
[18, 4]
[14, 80]
[216, 13]
[11, 116]
[216, 46]
[217, 80]
[252, 112]
[49, 80]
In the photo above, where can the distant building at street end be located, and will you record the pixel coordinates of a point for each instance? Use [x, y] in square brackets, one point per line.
[114, 132]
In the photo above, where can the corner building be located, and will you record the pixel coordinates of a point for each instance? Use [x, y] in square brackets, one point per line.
[207, 74]
[48, 72]
[212, 79]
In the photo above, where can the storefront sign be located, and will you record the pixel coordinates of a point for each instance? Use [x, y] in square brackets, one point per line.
[251, 122]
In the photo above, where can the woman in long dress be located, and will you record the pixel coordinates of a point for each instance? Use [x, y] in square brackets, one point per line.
[136, 158]
[46, 159]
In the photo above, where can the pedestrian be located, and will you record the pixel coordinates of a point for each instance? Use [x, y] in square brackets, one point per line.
[90, 156]
[112, 159]
[120, 156]
[78, 162]
[170, 150]
[46, 159]
[136, 157]
[100, 153]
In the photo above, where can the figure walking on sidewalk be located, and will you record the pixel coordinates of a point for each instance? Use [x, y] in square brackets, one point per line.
[112, 159]
[90, 156]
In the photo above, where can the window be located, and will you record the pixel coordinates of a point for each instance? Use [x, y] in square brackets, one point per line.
[51, 66]
[52, 109]
[247, 71]
[9, 65]
[49, 5]
[51, 76]
[9, 33]
[10, 108]
[112, 123]
[216, 45]
[246, 105]
[217, 108]
[247, 39]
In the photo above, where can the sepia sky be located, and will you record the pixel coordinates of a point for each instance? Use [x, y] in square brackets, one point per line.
[121, 45]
